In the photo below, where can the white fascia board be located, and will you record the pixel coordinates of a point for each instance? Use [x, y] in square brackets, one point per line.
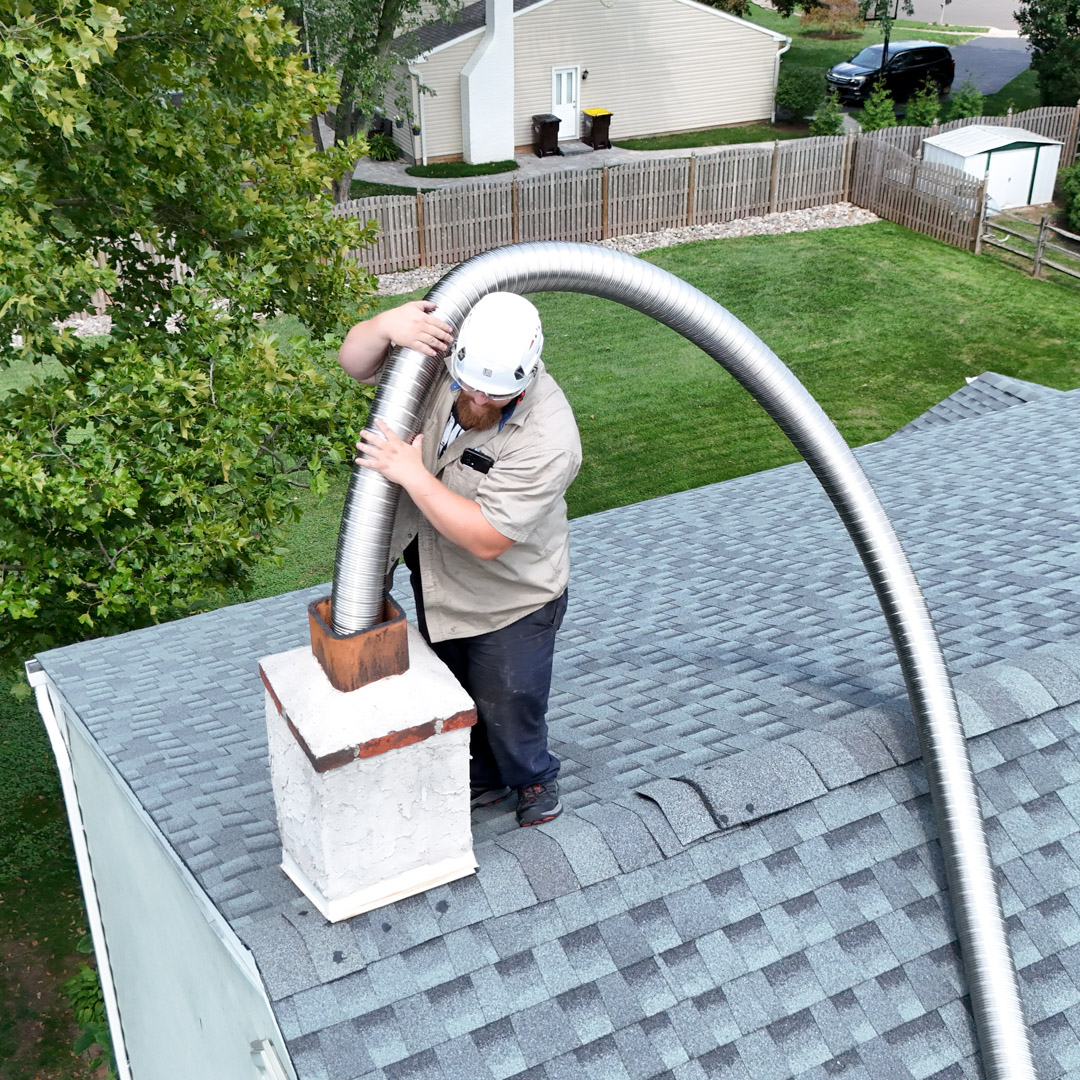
[480, 29]
[774, 34]
[51, 707]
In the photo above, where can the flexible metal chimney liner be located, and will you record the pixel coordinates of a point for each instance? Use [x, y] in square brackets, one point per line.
[362, 559]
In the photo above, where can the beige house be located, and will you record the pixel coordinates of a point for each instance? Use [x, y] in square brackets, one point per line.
[658, 65]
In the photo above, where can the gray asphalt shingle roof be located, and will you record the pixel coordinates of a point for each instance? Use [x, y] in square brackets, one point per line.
[747, 882]
[469, 18]
[985, 393]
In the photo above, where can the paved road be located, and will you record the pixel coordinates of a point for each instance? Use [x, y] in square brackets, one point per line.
[997, 13]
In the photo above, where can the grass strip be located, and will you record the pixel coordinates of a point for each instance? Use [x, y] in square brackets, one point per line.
[722, 136]
[446, 170]
[364, 189]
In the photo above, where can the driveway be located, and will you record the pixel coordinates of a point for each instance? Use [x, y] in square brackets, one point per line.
[990, 62]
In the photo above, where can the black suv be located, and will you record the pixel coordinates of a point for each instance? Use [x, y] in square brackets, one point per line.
[909, 65]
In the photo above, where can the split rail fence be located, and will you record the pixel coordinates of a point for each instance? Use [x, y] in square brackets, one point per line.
[879, 171]
[1042, 245]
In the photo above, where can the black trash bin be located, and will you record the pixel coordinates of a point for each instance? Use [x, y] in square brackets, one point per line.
[546, 134]
[597, 128]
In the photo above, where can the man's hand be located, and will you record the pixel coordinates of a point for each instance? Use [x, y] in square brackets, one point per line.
[411, 325]
[400, 462]
[459, 519]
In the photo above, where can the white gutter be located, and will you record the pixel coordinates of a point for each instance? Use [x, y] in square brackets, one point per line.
[776, 75]
[37, 678]
[419, 111]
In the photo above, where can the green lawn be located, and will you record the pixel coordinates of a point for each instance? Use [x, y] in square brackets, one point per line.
[1019, 95]
[721, 136]
[878, 322]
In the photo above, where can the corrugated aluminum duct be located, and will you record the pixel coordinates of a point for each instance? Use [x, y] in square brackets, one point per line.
[546, 267]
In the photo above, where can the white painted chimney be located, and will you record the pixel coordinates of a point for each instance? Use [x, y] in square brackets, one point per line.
[371, 786]
[487, 89]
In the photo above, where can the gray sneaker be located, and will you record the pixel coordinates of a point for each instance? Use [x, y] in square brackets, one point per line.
[486, 796]
[538, 803]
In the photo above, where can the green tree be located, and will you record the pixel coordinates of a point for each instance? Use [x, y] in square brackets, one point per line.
[828, 120]
[1053, 29]
[878, 111]
[924, 106]
[967, 101]
[367, 44]
[144, 472]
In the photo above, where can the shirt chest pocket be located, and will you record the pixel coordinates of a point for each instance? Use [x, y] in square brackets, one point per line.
[462, 479]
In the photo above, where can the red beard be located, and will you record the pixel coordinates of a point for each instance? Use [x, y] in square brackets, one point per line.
[474, 416]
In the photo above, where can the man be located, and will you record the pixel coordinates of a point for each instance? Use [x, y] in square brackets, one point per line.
[482, 524]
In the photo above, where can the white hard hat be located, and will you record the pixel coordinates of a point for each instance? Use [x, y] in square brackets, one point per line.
[498, 347]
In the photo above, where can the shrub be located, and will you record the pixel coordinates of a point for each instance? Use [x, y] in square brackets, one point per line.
[878, 111]
[381, 147]
[1068, 189]
[924, 106]
[799, 92]
[967, 101]
[828, 119]
[835, 18]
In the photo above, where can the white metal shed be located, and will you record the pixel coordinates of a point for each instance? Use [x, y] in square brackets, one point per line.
[1019, 165]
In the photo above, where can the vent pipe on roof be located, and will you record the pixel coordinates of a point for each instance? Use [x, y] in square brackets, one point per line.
[363, 543]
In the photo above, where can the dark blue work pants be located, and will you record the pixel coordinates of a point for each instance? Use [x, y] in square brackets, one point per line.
[507, 673]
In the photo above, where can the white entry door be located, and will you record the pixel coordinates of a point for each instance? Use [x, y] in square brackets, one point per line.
[564, 101]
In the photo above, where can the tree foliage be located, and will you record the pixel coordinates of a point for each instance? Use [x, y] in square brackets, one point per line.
[967, 101]
[732, 7]
[144, 472]
[878, 111]
[924, 106]
[834, 18]
[1068, 190]
[367, 43]
[1053, 29]
[878, 10]
[828, 120]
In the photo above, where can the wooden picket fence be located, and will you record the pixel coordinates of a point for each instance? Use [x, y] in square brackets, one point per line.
[933, 199]
[879, 171]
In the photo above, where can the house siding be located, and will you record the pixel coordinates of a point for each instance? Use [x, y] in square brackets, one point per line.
[441, 71]
[188, 1007]
[659, 65]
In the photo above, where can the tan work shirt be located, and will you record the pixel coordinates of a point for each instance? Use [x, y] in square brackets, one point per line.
[537, 453]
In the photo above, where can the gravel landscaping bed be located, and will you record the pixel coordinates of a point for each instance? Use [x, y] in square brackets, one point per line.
[835, 216]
